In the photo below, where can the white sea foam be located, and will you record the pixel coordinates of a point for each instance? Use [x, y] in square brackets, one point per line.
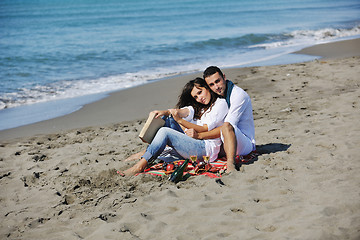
[72, 89]
[310, 37]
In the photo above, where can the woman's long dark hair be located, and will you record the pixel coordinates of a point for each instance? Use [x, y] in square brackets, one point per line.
[185, 98]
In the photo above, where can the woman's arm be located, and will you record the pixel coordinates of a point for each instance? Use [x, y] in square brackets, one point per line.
[179, 114]
[214, 133]
[182, 113]
[160, 113]
[213, 119]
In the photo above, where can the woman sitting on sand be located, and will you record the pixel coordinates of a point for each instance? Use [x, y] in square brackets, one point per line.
[198, 108]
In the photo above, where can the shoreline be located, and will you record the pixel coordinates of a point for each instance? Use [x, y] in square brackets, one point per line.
[108, 111]
[338, 49]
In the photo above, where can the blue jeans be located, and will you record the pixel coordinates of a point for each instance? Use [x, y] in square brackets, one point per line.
[171, 123]
[183, 144]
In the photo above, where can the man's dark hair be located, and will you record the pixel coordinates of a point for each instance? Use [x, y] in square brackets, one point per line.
[212, 70]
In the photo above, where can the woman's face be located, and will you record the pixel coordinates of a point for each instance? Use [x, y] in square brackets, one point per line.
[201, 95]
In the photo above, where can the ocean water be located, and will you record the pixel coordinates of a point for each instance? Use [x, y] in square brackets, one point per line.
[70, 52]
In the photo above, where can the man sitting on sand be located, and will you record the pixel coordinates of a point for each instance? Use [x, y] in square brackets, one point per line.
[238, 130]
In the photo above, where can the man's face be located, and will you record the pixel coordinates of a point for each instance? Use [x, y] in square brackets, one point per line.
[217, 83]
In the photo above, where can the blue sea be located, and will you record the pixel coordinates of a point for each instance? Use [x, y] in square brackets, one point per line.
[57, 55]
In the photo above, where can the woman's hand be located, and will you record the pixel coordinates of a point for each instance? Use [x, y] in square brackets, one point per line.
[175, 114]
[160, 113]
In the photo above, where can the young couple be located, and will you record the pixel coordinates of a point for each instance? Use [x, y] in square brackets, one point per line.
[210, 111]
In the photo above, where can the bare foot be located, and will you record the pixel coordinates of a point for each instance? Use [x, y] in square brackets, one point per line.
[135, 156]
[137, 168]
[131, 171]
[230, 168]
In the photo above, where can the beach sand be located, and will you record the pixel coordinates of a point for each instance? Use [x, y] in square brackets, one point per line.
[59, 181]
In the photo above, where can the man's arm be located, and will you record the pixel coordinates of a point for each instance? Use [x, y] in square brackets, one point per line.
[215, 133]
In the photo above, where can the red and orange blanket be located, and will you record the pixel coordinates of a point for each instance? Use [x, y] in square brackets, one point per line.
[213, 170]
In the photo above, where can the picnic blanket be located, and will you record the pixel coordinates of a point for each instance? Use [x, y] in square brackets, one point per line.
[213, 170]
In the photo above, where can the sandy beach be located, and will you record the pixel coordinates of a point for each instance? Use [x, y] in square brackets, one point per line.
[59, 181]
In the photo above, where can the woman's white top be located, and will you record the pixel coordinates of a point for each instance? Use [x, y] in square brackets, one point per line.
[213, 118]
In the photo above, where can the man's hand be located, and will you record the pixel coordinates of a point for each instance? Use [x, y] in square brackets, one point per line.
[192, 133]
